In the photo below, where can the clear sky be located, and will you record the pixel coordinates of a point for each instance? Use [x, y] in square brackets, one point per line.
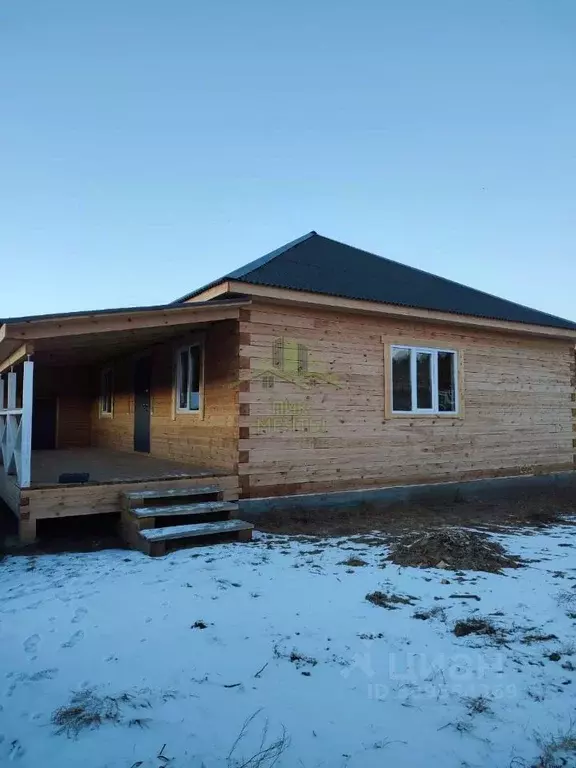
[147, 147]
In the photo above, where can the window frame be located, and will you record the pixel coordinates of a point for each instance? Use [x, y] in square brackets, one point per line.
[103, 414]
[435, 411]
[178, 410]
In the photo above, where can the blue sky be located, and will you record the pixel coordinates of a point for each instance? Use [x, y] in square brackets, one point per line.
[149, 147]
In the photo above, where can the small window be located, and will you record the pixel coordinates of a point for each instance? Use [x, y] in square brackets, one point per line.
[107, 392]
[188, 378]
[446, 382]
[424, 380]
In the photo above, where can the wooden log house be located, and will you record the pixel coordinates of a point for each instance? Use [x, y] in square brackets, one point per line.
[316, 368]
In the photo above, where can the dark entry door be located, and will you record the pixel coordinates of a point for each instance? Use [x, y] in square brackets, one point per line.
[44, 423]
[142, 373]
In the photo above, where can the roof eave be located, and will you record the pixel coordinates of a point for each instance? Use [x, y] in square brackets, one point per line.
[115, 311]
[130, 319]
[331, 301]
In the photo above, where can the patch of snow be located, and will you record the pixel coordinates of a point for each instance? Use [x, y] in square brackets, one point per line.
[233, 646]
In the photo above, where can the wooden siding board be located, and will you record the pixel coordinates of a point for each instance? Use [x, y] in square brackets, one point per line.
[517, 395]
[66, 501]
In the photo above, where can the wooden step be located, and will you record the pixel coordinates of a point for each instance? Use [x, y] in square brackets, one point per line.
[136, 498]
[154, 539]
[195, 529]
[198, 508]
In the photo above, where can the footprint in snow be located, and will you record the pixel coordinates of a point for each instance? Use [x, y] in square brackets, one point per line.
[31, 644]
[22, 678]
[76, 637]
[44, 674]
[79, 614]
[14, 749]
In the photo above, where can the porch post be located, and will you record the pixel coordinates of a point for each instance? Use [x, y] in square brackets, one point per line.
[16, 425]
[2, 416]
[10, 427]
[26, 424]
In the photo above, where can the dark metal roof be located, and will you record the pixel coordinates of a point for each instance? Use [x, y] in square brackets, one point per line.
[320, 265]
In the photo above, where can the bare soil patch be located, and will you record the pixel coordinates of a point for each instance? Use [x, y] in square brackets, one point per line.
[453, 549]
[354, 562]
[199, 624]
[534, 510]
[475, 626]
[390, 601]
[538, 637]
[437, 612]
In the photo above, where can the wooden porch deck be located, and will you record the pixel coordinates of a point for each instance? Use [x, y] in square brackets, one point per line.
[112, 474]
[108, 466]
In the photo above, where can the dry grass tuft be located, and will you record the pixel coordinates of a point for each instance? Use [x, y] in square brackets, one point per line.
[89, 710]
[385, 600]
[86, 710]
[477, 705]
[295, 656]
[557, 751]
[437, 612]
[537, 637]
[268, 752]
[475, 626]
[354, 562]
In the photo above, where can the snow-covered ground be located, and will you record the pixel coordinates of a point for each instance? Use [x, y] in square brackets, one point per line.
[291, 646]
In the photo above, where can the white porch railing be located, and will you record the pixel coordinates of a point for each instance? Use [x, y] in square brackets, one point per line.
[16, 424]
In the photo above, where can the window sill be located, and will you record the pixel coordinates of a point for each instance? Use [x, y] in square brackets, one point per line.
[407, 415]
[102, 415]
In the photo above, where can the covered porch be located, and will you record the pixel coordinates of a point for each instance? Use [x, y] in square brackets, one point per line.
[105, 465]
[92, 405]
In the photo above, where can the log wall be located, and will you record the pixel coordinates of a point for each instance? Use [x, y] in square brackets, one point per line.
[332, 431]
[573, 383]
[208, 438]
[74, 389]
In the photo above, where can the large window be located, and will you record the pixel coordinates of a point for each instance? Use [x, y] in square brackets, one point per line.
[107, 392]
[189, 378]
[424, 380]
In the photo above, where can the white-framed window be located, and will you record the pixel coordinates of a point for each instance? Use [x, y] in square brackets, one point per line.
[107, 392]
[424, 380]
[189, 377]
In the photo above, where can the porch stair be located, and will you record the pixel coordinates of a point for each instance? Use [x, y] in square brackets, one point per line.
[199, 508]
[154, 519]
